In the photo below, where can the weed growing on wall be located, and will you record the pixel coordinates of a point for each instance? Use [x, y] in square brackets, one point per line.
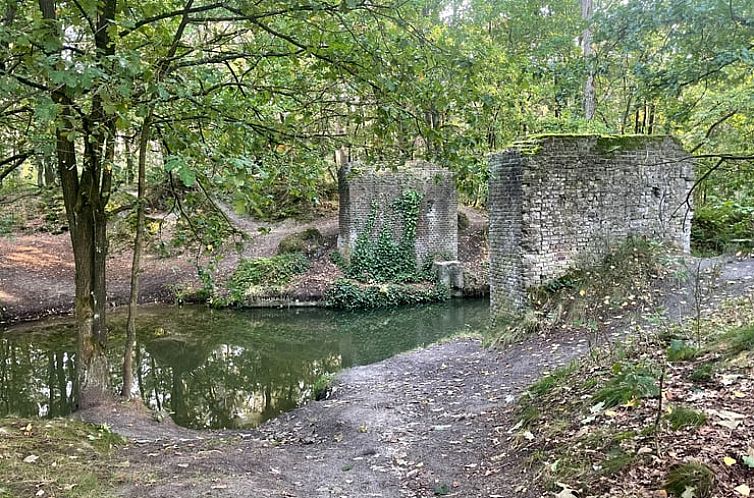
[380, 258]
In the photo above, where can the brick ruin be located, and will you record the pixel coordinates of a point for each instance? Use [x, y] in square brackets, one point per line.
[361, 187]
[557, 200]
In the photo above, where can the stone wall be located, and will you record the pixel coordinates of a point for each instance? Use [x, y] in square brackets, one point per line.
[361, 187]
[557, 200]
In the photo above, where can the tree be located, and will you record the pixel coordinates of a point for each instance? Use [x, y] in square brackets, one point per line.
[226, 86]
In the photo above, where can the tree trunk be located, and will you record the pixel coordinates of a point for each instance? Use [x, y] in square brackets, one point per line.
[49, 173]
[129, 161]
[85, 196]
[590, 100]
[133, 301]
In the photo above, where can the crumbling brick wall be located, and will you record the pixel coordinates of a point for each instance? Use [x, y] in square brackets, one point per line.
[361, 187]
[556, 200]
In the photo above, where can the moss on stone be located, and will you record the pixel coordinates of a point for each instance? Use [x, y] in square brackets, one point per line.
[603, 144]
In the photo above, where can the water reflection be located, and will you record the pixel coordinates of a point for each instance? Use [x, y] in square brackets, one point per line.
[221, 368]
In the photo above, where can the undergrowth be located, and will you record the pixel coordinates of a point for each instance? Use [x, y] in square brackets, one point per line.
[349, 294]
[265, 274]
[649, 409]
[56, 458]
[622, 279]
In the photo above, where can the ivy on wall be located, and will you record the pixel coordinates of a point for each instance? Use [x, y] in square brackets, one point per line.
[381, 258]
[383, 270]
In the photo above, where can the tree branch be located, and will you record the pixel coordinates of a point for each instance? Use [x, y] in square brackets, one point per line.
[13, 162]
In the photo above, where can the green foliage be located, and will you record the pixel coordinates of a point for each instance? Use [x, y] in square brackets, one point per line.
[350, 294]
[680, 350]
[378, 257]
[338, 260]
[9, 223]
[740, 340]
[722, 227]
[629, 382]
[681, 417]
[702, 373]
[322, 387]
[556, 379]
[692, 475]
[272, 273]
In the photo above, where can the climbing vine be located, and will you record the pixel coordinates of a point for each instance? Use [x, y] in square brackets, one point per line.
[381, 258]
[383, 269]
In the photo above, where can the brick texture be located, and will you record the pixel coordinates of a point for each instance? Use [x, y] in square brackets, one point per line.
[437, 227]
[557, 200]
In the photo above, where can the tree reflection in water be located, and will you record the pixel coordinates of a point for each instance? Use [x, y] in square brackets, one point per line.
[222, 369]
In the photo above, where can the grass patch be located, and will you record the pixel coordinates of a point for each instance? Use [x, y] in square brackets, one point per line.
[690, 475]
[257, 275]
[629, 382]
[57, 457]
[738, 341]
[681, 417]
[617, 460]
[550, 382]
[680, 350]
[703, 373]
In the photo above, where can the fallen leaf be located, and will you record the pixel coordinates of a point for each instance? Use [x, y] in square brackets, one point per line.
[743, 490]
[729, 461]
[689, 492]
[566, 491]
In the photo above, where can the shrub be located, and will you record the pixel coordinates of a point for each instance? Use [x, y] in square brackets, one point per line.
[721, 227]
[347, 293]
[273, 272]
[310, 242]
[322, 387]
[621, 277]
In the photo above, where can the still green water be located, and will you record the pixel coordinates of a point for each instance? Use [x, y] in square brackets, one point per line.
[222, 368]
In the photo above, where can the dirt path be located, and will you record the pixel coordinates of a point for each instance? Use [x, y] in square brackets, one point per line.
[427, 422]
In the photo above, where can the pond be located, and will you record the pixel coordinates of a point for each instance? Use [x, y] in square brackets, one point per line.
[222, 368]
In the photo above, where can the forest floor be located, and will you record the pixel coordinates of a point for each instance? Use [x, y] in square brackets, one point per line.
[36, 267]
[439, 421]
